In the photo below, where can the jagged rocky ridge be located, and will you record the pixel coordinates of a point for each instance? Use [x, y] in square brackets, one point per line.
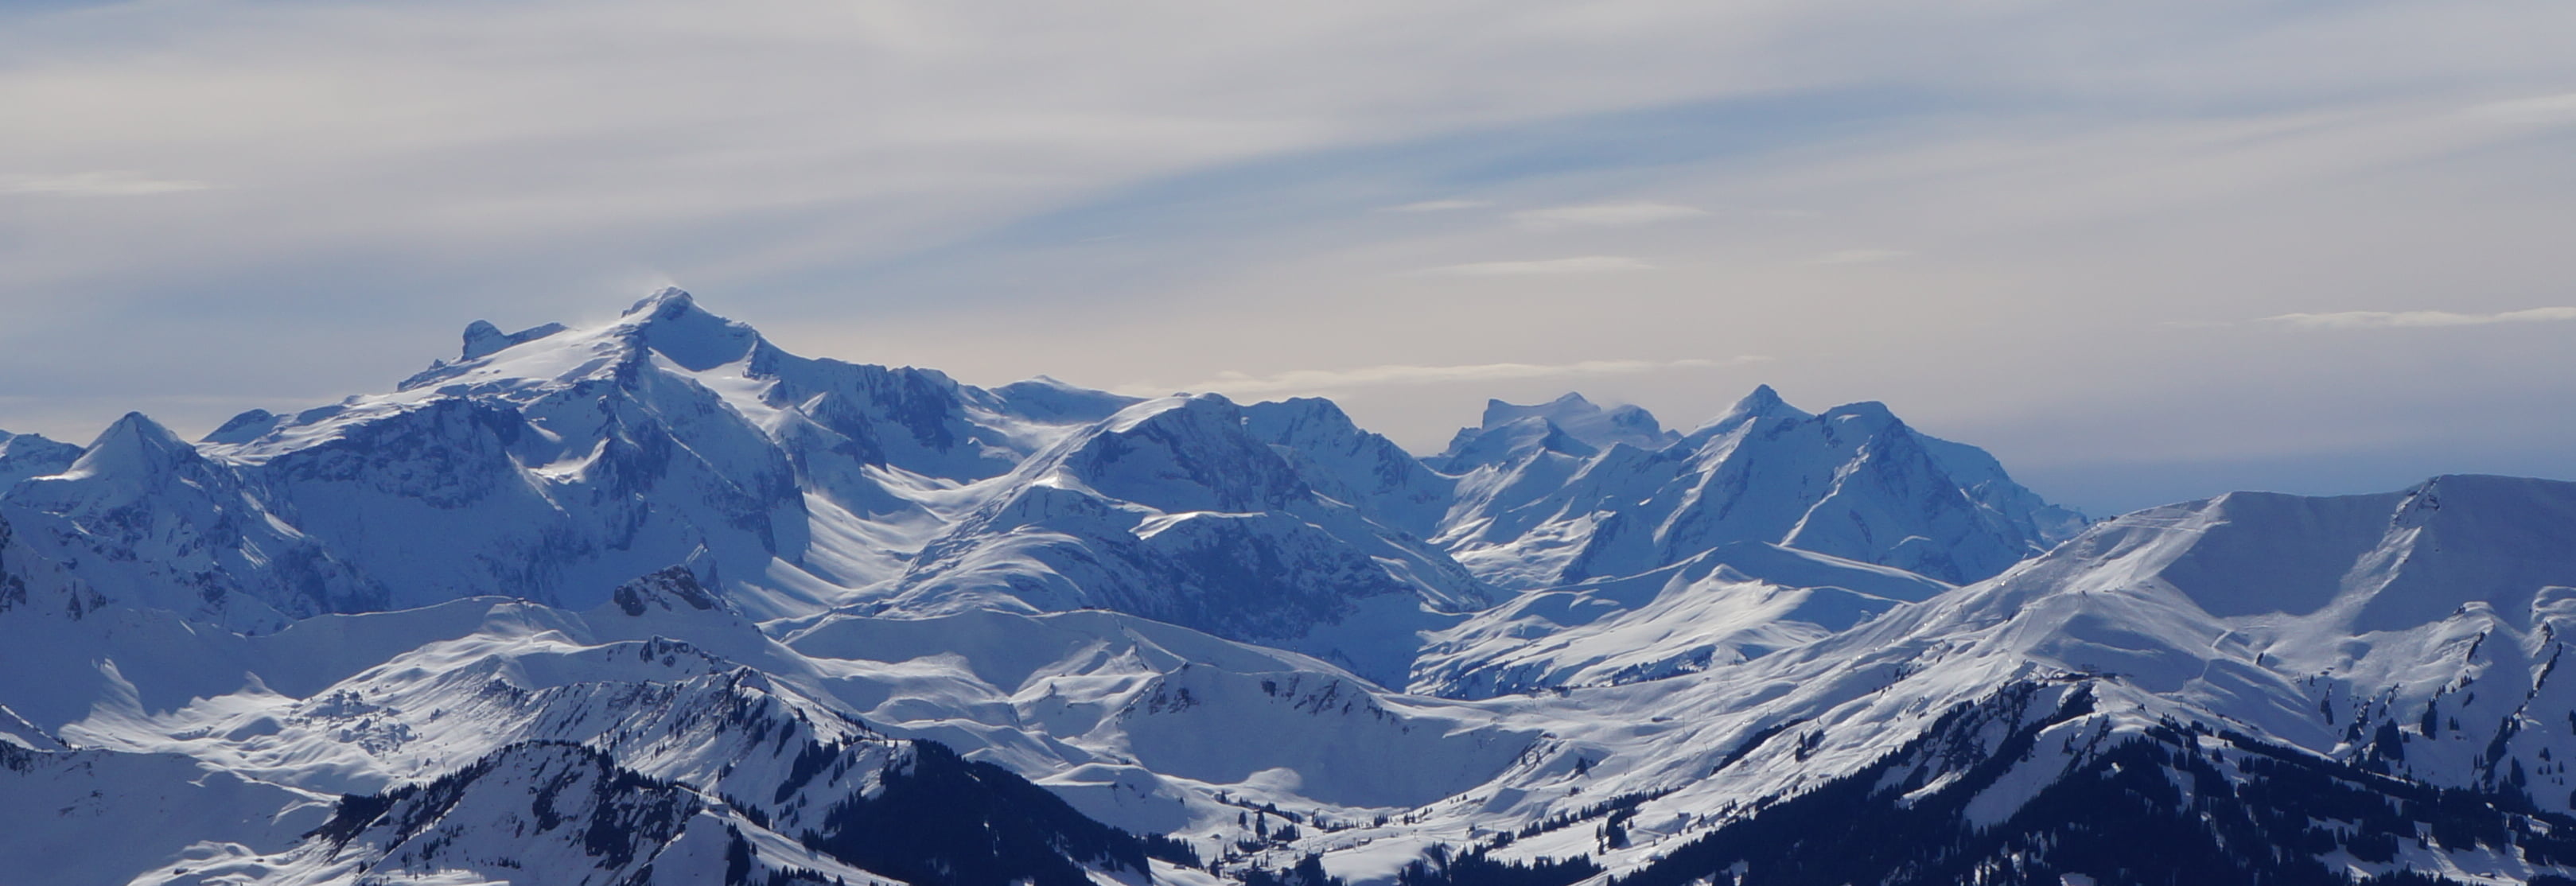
[665, 604]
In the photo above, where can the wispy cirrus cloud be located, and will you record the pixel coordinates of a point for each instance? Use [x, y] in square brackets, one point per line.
[1437, 206]
[1585, 264]
[2419, 319]
[381, 169]
[1405, 374]
[2558, 108]
[96, 184]
[1606, 215]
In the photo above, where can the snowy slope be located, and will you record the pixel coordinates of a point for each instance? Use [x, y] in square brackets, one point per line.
[564, 810]
[1731, 604]
[1175, 510]
[58, 808]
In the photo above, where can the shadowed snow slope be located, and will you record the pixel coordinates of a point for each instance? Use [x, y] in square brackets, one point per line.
[1733, 603]
[1174, 510]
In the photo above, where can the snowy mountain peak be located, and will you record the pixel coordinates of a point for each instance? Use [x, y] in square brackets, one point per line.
[1306, 411]
[669, 301]
[1183, 454]
[1764, 400]
[484, 339]
[1586, 421]
[134, 446]
[1045, 398]
[672, 324]
[1569, 426]
[1869, 414]
[1571, 404]
[1762, 403]
[668, 323]
[1865, 420]
[1352, 465]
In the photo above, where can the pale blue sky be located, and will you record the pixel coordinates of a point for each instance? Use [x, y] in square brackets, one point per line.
[2067, 232]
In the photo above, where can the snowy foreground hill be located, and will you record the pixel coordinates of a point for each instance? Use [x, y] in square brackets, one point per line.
[656, 602]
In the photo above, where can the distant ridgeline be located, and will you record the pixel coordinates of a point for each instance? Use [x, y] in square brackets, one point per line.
[655, 601]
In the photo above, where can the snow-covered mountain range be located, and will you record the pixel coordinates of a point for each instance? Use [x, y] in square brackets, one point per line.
[658, 602]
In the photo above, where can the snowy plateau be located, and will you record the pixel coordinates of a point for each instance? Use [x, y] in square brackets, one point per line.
[656, 602]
